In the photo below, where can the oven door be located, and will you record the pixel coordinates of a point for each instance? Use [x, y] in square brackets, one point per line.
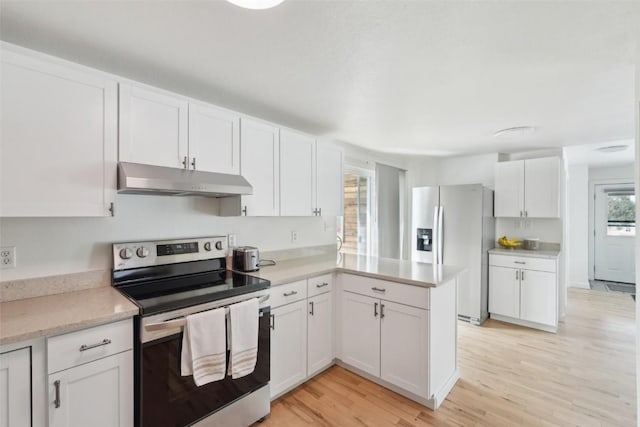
[166, 398]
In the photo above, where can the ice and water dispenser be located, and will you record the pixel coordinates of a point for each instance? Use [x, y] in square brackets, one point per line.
[424, 239]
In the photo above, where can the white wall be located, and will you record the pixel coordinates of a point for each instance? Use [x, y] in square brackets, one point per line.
[578, 226]
[49, 246]
[478, 169]
[547, 229]
[603, 175]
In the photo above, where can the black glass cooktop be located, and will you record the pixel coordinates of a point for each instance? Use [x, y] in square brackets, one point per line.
[165, 288]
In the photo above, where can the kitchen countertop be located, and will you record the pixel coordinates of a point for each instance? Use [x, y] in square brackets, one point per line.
[49, 315]
[401, 271]
[526, 253]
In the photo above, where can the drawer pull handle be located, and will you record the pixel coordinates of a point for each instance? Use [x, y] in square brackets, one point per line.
[288, 294]
[322, 285]
[520, 262]
[56, 402]
[378, 289]
[85, 347]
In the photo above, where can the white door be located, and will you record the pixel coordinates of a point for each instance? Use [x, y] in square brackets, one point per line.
[58, 137]
[615, 229]
[15, 388]
[541, 185]
[288, 346]
[297, 169]
[259, 158]
[361, 332]
[214, 139]
[509, 192]
[504, 291]
[153, 127]
[404, 355]
[538, 297]
[329, 179]
[97, 394]
[319, 332]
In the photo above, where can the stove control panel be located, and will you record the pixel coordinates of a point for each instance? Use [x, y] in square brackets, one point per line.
[145, 254]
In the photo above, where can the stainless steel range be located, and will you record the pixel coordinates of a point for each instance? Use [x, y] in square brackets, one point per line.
[169, 280]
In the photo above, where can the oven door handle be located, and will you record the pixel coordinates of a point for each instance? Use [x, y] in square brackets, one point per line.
[182, 321]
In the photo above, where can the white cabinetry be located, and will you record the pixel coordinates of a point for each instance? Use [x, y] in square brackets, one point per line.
[163, 129]
[319, 333]
[91, 377]
[288, 346]
[58, 138]
[329, 179]
[297, 167]
[524, 290]
[15, 388]
[361, 332]
[528, 188]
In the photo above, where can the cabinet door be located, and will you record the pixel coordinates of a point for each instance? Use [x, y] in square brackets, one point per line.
[214, 139]
[504, 291]
[97, 394]
[329, 180]
[288, 346]
[153, 127]
[538, 297]
[297, 168]
[319, 332]
[259, 158]
[404, 355]
[541, 180]
[361, 332]
[509, 192]
[58, 139]
[15, 388]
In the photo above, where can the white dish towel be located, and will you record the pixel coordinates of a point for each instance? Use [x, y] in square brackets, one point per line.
[243, 337]
[204, 350]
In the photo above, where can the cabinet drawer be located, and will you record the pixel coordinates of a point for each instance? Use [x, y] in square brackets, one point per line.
[415, 296]
[319, 284]
[285, 294]
[76, 348]
[527, 263]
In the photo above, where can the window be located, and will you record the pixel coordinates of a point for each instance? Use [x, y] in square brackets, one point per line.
[356, 227]
[621, 217]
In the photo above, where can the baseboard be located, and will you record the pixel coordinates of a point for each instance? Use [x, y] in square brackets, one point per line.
[442, 394]
[582, 285]
[525, 323]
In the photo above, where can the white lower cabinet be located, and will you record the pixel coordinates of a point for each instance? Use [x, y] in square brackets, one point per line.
[288, 346]
[361, 332]
[90, 381]
[319, 332]
[404, 346]
[15, 388]
[97, 394]
[524, 291]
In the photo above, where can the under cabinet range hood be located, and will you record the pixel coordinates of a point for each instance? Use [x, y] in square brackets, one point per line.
[136, 178]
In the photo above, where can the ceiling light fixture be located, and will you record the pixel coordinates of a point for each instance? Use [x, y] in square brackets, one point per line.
[612, 148]
[256, 4]
[517, 130]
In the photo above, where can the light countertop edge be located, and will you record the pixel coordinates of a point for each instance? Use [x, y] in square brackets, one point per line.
[50, 315]
[551, 254]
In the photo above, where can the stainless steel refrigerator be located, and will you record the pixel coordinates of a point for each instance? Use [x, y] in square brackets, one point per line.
[454, 225]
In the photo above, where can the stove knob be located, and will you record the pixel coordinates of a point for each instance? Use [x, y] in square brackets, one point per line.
[207, 246]
[126, 253]
[219, 245]
[142, 252]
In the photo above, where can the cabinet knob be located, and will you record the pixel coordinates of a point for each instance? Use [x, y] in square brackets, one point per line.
[184, 162]
[193, 163]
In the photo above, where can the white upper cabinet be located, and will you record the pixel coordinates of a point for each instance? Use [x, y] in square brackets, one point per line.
[297, 167]
[259, 153]
[329, 179]
[541, 185]
[509, 193]
[214, 139]
[528, 188]
[58, 137]
[153, 127]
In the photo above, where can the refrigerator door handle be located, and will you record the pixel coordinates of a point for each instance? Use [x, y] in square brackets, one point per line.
[435, 238]
[440, 255]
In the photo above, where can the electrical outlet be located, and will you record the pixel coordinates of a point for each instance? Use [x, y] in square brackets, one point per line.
[232, 240]
[8, 257]
[294, 236]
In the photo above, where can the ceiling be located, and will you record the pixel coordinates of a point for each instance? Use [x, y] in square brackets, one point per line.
[589, 154]
[423, 77]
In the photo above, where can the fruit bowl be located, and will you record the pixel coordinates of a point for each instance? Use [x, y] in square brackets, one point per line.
[509, 243]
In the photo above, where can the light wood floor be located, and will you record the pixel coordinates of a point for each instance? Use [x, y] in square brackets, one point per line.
[510, 376]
